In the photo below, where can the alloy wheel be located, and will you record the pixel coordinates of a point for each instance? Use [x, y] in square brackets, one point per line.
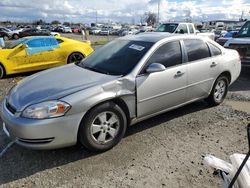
[105, 127]
[76, 58]
[219, 90]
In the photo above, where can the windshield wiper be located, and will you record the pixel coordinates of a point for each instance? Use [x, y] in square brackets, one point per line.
[95, 70]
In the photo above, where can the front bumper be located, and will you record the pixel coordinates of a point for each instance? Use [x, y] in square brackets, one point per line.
[41, 134]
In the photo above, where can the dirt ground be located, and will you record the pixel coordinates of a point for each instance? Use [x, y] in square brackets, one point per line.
[164, 151]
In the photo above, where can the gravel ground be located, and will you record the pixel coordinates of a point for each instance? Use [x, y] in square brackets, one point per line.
[164, 151]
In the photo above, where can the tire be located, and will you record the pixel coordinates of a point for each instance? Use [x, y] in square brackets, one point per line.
[15, 36]
[75, 57]
[219, 91]
[103, 127]
[5, 37]
[2, 72]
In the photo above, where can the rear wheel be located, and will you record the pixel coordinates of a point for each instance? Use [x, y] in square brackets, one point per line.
[2, 71]
[219, 91]
[15, 36]
[103, 127]
[75, 57]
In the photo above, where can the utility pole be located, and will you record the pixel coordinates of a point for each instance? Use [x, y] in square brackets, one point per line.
[96, 14]
[158, 15]
[242, 15]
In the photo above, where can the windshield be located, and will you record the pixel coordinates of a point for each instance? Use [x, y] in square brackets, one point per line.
[244, 31]
[15, 43]
[118, 57]
[167, 28]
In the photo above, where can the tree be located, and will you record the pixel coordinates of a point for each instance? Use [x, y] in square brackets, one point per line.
[150, 18]
[66, 24]
[39, 22]
[55, 22]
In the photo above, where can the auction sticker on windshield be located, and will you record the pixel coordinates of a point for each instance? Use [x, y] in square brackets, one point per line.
[136, 47]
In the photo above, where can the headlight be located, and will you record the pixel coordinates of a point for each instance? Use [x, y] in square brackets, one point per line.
[44, 110]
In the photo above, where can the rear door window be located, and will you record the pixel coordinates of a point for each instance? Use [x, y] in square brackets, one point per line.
[182, 29]
[214, 49]
[196, 49]
[191, 28]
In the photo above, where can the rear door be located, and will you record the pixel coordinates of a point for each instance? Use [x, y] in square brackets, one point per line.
[203, 69]
[162, 90]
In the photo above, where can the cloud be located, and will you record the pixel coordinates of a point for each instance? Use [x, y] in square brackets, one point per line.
[122, 10]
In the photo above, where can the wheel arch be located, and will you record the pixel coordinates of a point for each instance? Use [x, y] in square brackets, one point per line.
[227, 74]
[5, 71]
[118, 101]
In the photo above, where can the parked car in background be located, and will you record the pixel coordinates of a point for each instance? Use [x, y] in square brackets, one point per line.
[38, 53]
[130, 31]
[63, 29]
[114, 32]
[51, 32]
[4, 35]
[34, 32]
[241, 43]
[126, 81]
[75, 30]
[219, 33]
[94, 30]
[14, 33]
[223, 39]
[105, 31]
[182, 28]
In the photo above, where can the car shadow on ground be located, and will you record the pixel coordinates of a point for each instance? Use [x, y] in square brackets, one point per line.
[20, 162]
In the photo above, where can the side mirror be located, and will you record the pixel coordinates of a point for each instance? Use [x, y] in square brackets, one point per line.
[155, 67]
[2, 43]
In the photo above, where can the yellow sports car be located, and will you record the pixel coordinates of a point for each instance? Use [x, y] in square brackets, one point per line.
[38, 53]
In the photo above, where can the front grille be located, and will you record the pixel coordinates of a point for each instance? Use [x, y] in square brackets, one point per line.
[10, 108]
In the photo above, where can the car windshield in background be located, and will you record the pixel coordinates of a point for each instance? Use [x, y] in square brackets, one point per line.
[167, 28]
[118, 57]
[13, 44]
[244, 31]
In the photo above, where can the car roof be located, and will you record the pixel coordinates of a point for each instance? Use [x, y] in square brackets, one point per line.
[39, 37]
[148, 37]
[158, 36]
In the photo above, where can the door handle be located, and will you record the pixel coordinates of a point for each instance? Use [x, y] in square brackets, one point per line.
[213, 64]
[179, 73]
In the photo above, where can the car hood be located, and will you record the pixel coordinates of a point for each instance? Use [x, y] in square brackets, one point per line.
[239, 40]
[54, 84]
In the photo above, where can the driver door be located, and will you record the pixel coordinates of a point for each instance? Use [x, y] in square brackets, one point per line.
[159, 91]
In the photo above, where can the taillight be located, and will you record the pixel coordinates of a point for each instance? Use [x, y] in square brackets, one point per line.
[239, 56]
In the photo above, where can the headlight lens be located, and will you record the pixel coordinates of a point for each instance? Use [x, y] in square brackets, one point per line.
[49, 109]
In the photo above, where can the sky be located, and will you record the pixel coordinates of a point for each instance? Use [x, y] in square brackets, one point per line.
[125, 11]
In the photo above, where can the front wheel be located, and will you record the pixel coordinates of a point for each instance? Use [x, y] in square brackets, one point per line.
[103, 127]
[219, 91]
[5, 37]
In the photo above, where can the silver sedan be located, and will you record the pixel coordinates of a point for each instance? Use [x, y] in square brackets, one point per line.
[126, 81]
